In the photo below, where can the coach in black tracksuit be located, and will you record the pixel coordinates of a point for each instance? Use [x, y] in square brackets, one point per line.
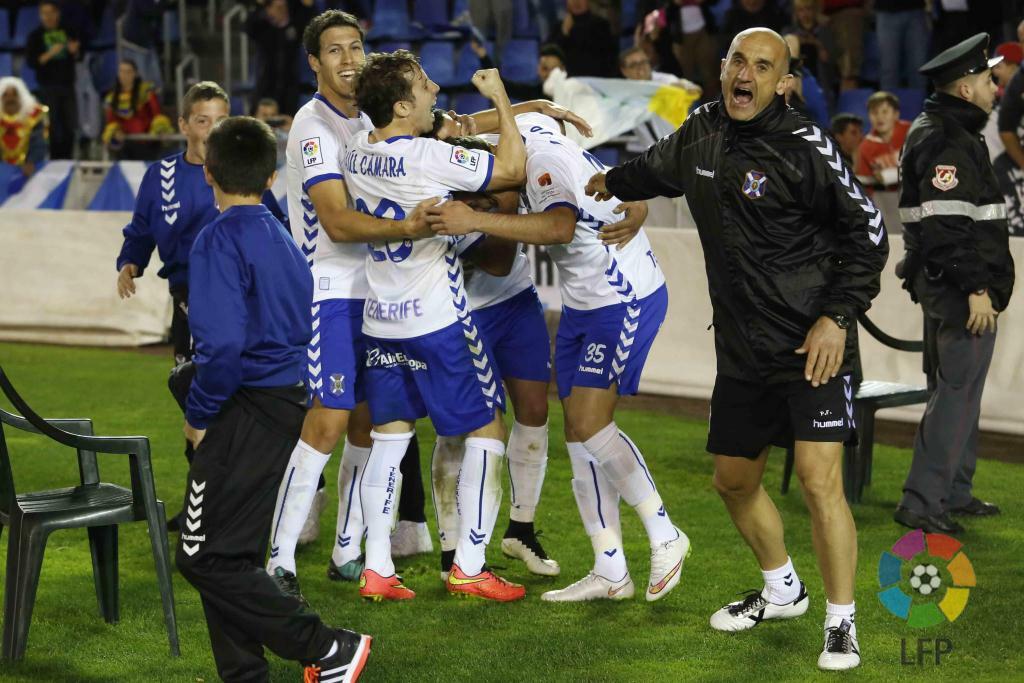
[958, 266]
[249, 309]
[793, 250]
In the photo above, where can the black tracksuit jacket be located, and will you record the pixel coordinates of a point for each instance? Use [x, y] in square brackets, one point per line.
[787, 231]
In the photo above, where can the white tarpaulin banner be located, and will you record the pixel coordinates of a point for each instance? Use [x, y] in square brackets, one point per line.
[682, 361]
[58, 280]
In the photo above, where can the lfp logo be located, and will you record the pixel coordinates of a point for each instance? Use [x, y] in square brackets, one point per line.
[309, 148]
[935, 573]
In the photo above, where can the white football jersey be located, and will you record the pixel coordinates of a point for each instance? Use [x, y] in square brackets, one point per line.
[414, 286]
[591, 275]
[486, 290]
[316, 149]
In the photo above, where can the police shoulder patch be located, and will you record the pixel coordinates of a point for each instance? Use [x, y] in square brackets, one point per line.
[945, 178]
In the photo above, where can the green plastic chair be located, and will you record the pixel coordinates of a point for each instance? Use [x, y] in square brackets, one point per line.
[96, 505]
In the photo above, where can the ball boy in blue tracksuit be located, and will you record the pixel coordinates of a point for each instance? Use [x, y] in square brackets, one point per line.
[249, 294]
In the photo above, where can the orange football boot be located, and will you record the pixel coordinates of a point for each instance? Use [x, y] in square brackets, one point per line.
[486, 585]
[373, 586]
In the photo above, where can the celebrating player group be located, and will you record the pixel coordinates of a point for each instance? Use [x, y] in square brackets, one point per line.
[411, 223]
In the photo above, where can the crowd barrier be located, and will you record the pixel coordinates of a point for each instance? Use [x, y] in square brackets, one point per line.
[58, 281]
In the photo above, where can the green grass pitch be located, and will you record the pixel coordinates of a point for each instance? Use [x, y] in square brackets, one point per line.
[435, 638]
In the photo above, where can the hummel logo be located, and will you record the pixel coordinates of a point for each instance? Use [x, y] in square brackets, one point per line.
[706, 174]
[788, 579]
[611, 553]
[661, 511]
[477, 537]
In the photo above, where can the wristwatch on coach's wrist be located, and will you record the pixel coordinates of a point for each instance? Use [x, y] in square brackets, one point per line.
[842, 321]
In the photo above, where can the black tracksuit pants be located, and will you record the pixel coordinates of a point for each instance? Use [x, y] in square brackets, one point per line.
[229, 505]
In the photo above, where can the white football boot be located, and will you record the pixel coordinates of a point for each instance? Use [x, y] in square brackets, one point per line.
[666, 566]
[593, 587]
[410, 538]
[840, 651]
[530, 551]
[754, 608]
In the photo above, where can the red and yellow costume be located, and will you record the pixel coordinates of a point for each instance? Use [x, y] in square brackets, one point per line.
[144, 117]
[15, 132]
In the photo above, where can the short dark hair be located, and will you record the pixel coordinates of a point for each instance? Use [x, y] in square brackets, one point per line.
[322, 22]
[203, 91]
[470, 142]
[624, 55]
[843, 120]
[385, 78]
[883, 97]
[267, 102]
[551, 50]
[241, 155]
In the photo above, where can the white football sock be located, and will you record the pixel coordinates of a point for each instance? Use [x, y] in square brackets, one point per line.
[624, 466]
[348, 535]
[782, 585]
[527, 464]
[294, 499]
[379, 488]
[834, 615]
[598, 503]
[479, 500]
[445, 464]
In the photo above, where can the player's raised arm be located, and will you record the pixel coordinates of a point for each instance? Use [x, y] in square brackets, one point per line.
[510, 156]
[487, 121]
[344, 224]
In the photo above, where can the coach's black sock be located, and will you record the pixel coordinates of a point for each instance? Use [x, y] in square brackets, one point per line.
[447, 560]
[519, 529]
[412, 501]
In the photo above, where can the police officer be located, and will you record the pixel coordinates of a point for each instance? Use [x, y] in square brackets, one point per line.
[793, 250]
[958, 266]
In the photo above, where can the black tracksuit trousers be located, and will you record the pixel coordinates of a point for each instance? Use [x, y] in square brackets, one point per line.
[229, 505]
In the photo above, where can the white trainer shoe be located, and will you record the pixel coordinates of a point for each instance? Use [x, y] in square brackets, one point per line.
[311, 527]
[532, 553]
[840, 651]
[666, 566]
[410, 538]
[754, 608]
[593, 587]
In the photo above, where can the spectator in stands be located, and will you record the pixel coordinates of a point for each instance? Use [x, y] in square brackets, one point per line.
[957, 20]
[52, 50]
[550, 57]
[691, 26]
[587, 41]
[846, 20]
[848, 131]
[141, 21]
[746, 14]
[878, 161]
[817, 47]
[902, 43]
[23, 124]
[493, 16]
[276, 30]
[802, 91]
[635, 65]
[269, 113]
[1009, 166]
[133, 108]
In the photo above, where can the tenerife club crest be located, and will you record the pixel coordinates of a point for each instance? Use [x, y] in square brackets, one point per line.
[754, 184]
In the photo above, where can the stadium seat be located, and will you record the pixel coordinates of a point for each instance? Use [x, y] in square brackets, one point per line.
[870, 64]
[524, 22]
[519, 61]
[305, 74]
[391, 20]
[911, 102]
[467, 66]
[106, 33]
[432, 14]
[854, 102]
[6, 63]
[442, 101]
[628, 17]
[91, 503]
[470, 103]
[28, 74]
[5, 31]
[104, 70]
[438, 60]
[459, 7]
[26, 22]
[391, 46]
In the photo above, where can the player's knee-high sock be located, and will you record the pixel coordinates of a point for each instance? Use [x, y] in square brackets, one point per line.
[598, 503]
[348, 536]
[479, 500]
[294, 499]
[527, 464]
[412, 500]
[378, 488]
[444, 477]
[625, 468]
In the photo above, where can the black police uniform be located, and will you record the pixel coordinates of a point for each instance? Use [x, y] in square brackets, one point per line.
[957, 243]
[788, 236]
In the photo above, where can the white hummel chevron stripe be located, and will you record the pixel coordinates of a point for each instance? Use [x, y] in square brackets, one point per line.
[314, 369]
[167, 172]
[623, 354]
[485, 378]
[167, 163]
[194, 513]
[480, 363]
[489, 391]
[171, 218]
[194, 499]
[315, 340]
[313, 355]
[477, 349]
[192, 526]
[630, 327]
[190, 550]
[198, 487]
[168, 196]
[616, 368]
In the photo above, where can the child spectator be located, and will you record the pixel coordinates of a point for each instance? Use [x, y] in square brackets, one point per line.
[848, 131]
[879, 155]
[251, 322]
[132, 108]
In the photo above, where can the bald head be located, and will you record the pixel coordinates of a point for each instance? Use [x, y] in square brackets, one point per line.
[754, 72]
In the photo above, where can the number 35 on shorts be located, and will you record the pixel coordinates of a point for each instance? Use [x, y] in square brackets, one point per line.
[595, 353]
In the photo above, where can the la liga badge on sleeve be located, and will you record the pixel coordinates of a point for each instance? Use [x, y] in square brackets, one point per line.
[945, 178]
